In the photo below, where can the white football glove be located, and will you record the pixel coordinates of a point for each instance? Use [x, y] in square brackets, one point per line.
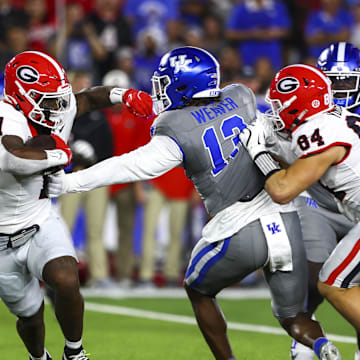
[253, 138]
[84, 149]
[277, 143]
[57, 184]
[349, 209]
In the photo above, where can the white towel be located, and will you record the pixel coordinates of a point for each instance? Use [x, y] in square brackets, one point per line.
[280, 255]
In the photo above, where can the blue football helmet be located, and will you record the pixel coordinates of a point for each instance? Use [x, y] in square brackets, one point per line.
[341, 63]
[183, 74]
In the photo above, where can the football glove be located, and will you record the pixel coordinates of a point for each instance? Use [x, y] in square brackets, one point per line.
[139, 102]
[61, 145]
[253, 138]
[83, 154]
[55, 184]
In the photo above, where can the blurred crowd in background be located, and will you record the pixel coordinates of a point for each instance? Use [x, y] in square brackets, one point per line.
[119, 42]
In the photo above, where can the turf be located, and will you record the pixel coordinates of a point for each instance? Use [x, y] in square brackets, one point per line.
[113, 337]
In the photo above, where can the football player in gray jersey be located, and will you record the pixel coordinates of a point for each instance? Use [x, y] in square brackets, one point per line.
[198, 128]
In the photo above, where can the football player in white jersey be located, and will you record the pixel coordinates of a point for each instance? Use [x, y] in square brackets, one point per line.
[198, 127]
[326, 142]
[322, 228]
[322, 225]
[34, 242]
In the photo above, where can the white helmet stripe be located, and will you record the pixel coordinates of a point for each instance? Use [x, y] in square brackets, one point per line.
[341, 51]
[315, 70]
[54, 63]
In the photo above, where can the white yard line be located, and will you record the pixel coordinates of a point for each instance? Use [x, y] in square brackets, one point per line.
[177, 293]
[145, 314]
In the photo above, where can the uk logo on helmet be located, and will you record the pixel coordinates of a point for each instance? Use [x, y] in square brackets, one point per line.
[287, 85]
[27, 74]
[180, 63]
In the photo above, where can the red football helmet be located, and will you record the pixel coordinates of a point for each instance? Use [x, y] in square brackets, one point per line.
[298, 92]
[36, 84]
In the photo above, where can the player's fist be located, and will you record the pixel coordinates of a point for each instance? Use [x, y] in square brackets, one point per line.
[61, 145]
[138, 102]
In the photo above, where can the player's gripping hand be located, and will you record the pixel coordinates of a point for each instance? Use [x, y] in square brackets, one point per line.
[56, 185]
[138, 102]
[61, 145]
[253, 138]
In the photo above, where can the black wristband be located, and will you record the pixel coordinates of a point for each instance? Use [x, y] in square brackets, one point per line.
[271, 173]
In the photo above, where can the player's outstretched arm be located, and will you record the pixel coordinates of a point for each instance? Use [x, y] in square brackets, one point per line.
[284, 185]
[99, 97]
[18, 158]
[157, 157]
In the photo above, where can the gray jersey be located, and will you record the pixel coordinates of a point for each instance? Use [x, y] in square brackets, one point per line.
[214, 159]
[323, 197]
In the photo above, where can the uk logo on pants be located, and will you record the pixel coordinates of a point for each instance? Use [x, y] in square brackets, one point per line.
[274, 228]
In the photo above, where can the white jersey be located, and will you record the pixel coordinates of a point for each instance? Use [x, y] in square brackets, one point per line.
[280, 146]
[20, 196]
[281, 149]
[322, 132]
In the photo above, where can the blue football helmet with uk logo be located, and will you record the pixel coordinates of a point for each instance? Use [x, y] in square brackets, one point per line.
[341, 63]
[183, 74]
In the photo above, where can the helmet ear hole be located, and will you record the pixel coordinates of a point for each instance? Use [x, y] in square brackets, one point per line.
[181, 88]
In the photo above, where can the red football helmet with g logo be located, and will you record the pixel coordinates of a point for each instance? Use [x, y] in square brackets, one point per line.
[36, 84]
[298, 92]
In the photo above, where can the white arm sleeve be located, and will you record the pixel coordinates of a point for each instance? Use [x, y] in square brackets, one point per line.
[20, 166]
[157, 157]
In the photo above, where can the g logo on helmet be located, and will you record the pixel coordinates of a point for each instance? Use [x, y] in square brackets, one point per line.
[27, 74]
[287, 85]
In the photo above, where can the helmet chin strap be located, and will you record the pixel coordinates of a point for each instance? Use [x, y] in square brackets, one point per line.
[298, 120]
[21, 89]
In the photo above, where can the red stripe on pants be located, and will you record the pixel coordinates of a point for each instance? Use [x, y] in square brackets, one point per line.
[331, 279]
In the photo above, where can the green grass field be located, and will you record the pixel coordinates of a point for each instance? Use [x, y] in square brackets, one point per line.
[141, 335]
